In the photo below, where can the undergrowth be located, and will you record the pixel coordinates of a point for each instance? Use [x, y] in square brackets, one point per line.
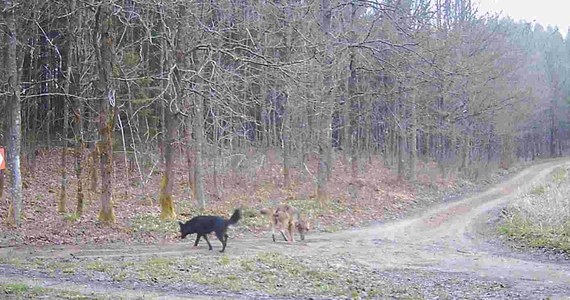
[540, 218]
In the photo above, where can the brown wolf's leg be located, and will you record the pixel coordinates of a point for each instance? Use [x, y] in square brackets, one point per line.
[283, 234]
[273, 221]
[290, 231]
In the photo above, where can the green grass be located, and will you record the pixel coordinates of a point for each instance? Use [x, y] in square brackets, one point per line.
[98, 266]
[71, 217]
[15, 288]
[536, 235]
[25, 291]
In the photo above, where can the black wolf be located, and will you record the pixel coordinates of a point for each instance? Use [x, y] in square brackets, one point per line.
[203, 225]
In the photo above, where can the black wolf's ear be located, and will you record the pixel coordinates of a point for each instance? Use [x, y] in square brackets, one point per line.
[180, 223]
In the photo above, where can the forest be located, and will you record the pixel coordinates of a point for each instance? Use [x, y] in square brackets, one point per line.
[165, 102]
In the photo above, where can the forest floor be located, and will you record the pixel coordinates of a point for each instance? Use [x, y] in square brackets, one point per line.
[439, 242]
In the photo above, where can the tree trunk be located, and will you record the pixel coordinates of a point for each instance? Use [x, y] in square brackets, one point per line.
[167, 182]
[1, 183]
[324, 143]
[352, 100]
[199, 141]
[61, 207]
[400, 136]
[401, 141]
[15, 132]
[168, 128]
[92, 171]
[286, 142]
[189, 157]
[413, 138]
[465, 153]
[105, 54]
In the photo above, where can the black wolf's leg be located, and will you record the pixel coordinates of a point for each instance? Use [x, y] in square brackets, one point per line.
[197, 240]
[206, 238]
[223, 238]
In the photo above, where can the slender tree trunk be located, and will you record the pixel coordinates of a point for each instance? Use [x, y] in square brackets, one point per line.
[217, 153]
[162, 104]
[1, 183]
[103, 41]
[199, 141]
[352, 100]
[426, 144]
[92, 158]
[413, 138]
[61, 205]
[353, 127]
[169, 125]
[166, 185]
[15, 132]
[189, 157]
[507, 150]
[66, 88]
[286, 142]
[552, 131]
[324, 124]
[92, 170]
[465, 153]
[79, 159]
[286, 131]
[401, 138]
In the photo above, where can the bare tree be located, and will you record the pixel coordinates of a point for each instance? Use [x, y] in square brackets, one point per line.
[15, 128]
[103, 43]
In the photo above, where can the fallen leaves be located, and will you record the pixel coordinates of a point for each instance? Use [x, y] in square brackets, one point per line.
[353, 201]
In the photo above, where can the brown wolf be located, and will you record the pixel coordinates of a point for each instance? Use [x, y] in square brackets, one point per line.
[285, 217]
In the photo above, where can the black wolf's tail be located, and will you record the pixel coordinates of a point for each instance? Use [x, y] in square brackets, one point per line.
[236, 216]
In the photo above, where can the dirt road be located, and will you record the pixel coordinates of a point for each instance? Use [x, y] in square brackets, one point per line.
[446, 247]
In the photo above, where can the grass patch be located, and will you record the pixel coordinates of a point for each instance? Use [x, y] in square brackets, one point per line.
[224, 260]
[71, 217]
[541, 217]
[16, 262]
[152, 223]
[15, 288]
[97, 265]
[157, 268]
[55, 266]
[559, 175]
[24, 291]
[538, 190]
[120, 276]
[536, 236]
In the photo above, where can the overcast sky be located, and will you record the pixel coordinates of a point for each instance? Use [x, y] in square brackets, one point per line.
[545, 12]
